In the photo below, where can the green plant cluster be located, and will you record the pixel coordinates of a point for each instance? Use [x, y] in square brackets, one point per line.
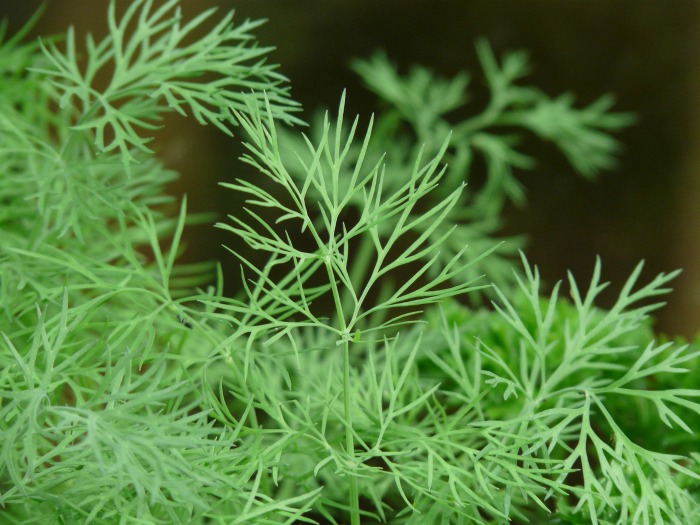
[358, 376]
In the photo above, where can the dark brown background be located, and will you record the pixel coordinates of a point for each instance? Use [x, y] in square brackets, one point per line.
[645, 52]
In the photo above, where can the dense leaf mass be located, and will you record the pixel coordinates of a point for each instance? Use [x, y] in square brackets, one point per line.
[387, 358]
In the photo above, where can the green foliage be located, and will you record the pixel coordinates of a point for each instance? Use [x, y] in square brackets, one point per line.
[417, 116]
[347, 381]
[154, 61]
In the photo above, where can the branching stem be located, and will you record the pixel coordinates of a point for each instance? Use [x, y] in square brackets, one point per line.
[354, 501]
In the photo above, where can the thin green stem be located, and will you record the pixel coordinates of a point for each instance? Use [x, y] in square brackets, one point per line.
[354, 501]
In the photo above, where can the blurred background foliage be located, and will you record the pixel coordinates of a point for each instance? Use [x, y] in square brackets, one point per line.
[645, 52]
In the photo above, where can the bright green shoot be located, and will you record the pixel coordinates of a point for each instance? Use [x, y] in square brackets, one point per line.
[148, 59]
[335, 234]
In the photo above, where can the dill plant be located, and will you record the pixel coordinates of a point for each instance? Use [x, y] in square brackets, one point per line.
[357, 377]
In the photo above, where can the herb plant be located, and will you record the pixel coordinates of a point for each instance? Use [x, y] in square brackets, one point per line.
[387, 358]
